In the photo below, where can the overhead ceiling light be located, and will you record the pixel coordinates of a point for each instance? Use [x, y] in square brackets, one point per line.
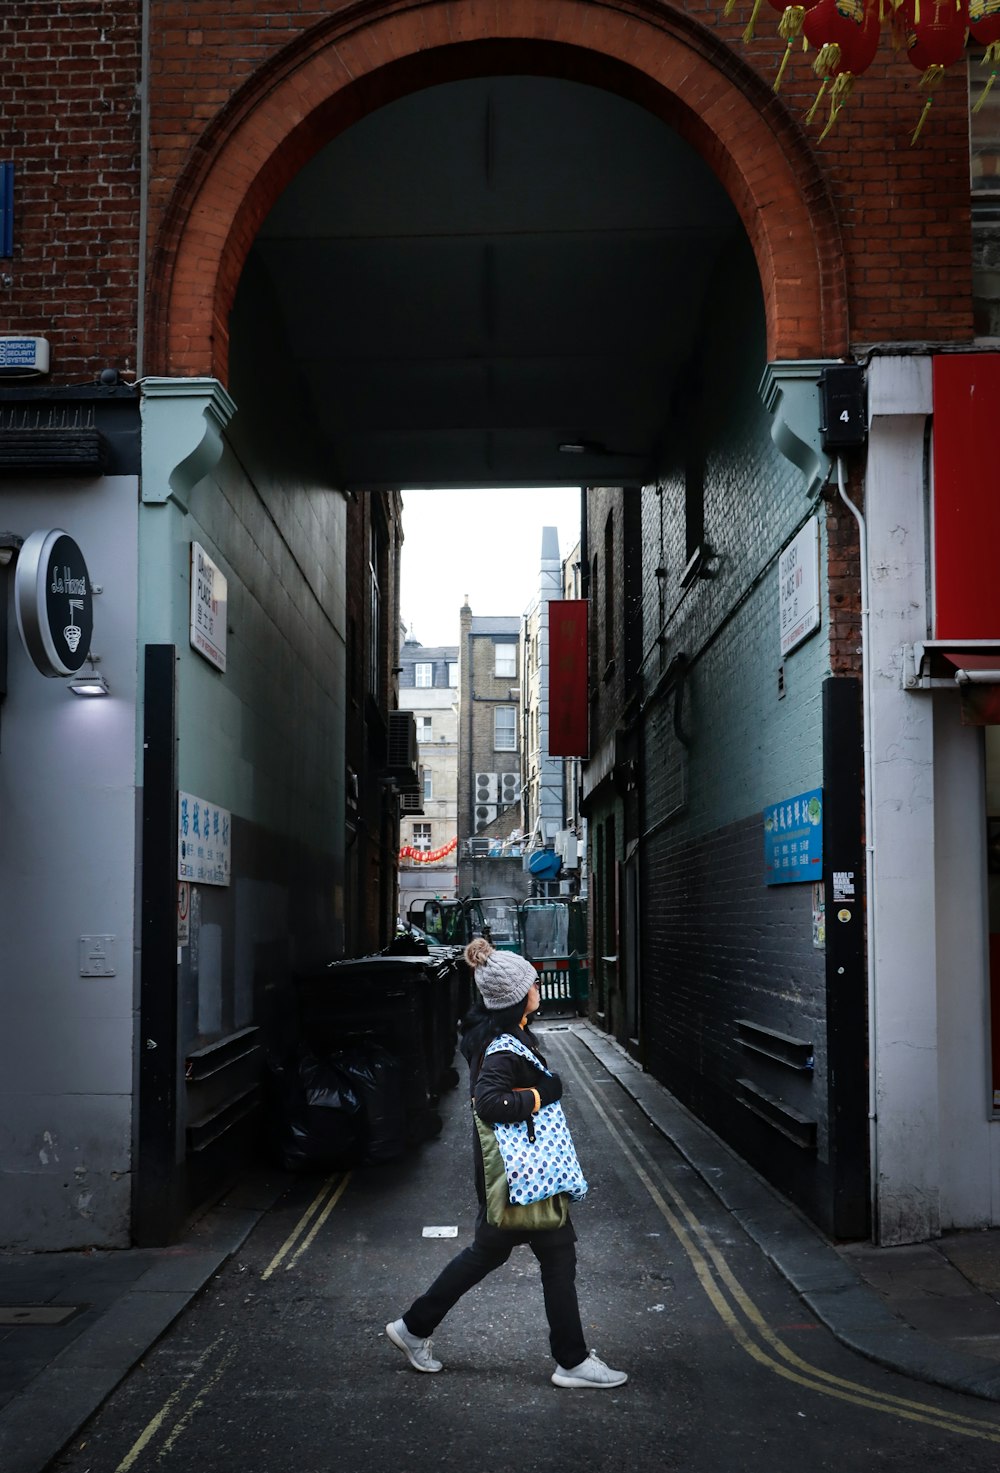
[583, 447]
[597, 447]
[89, 684]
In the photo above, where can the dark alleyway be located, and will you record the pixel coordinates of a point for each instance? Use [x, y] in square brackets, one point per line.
[283, 1363]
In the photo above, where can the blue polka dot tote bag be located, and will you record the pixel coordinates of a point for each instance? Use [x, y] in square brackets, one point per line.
[538, 1154]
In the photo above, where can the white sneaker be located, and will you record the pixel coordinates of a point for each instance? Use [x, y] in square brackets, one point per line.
[417, 1351]
[591, 1372]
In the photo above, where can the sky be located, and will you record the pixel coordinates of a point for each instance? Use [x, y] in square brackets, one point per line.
[484, 544]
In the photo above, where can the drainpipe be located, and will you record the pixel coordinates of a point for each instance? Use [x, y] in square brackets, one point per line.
[866, 706]
[140, 337]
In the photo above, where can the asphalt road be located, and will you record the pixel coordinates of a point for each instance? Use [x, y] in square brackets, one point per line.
[282, 1364]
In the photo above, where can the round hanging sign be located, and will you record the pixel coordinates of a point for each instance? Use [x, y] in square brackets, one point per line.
[54, 602]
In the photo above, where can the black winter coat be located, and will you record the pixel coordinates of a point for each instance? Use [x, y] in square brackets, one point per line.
[501, 1091]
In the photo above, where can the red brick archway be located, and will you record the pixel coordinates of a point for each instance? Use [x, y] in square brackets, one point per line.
[374, 51]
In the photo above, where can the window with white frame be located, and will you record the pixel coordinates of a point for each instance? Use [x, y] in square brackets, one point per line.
[506, 659]
[422, 836]
[428, 778]
[425, 728]
[505, 729]
[453, 674]
[423, 673]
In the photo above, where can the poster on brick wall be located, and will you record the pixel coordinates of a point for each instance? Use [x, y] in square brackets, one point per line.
[568, 703]
[793, 839]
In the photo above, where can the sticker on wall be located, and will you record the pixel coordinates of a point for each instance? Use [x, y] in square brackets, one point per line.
[843, 886]
[183, 912]
[204, 841]
[819, 916]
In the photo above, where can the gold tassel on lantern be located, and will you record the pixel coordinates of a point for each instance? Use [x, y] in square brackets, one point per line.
[819, 98]
[748, 33]
[789, 27]
[929, 81]
[827, 57]
[839, 93]
[992, 60]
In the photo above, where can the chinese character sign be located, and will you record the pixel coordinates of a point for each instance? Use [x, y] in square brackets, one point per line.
[204, 841]
[793, 839]
[209, 607]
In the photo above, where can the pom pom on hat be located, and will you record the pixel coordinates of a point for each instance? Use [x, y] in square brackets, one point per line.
[503, 977]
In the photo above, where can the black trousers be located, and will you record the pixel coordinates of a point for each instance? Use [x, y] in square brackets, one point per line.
[558, 1264]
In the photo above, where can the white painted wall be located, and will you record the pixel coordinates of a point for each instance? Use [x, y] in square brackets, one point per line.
[901, 891]
[934, 1143]
[968, 1172]
[67, 869]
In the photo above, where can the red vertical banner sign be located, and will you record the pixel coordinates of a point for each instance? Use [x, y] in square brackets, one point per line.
[966, 503]
[568, 697]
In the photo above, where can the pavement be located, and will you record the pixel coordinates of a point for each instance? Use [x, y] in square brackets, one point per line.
[73, 1325]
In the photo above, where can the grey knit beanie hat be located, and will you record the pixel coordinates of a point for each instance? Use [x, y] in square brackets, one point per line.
[503, 977]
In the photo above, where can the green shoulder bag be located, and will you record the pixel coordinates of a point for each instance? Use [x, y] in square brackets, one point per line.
[537, 1217]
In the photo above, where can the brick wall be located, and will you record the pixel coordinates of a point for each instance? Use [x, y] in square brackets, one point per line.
[891, 221]
[70, 123]
[482, 692]
[715, 736]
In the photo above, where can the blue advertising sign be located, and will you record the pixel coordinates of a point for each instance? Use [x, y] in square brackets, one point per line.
[793, 839]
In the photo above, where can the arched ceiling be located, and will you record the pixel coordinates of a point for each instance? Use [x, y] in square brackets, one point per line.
[483, 271]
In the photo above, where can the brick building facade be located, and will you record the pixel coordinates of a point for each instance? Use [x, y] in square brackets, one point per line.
[489, 736]
[429, 687]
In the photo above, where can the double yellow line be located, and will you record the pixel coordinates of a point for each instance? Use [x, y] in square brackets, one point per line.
[326, 1198]
[177, 1428]
[292, 1249]
[744, 1321]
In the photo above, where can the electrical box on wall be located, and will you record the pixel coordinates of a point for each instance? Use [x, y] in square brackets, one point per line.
[843, 406]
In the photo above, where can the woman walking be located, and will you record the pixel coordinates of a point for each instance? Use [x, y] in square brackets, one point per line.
[507, 1088]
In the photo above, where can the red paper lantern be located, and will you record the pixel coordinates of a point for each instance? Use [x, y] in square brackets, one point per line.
[846, 35]
[934, 35]
[984, 28]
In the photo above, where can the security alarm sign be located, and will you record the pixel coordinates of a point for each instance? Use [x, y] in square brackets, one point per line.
[798, 587]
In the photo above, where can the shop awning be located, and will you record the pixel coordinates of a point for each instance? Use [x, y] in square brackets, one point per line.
[970, 666]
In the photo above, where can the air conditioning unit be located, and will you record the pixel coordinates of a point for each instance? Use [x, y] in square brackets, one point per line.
[411, 805]
[401, 751]
[486, 787]
[510, 787]
[566, 847]
[484, 814]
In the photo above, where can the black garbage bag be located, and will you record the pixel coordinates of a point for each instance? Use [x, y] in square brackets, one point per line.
[406, 944]
[377, 1078]
[317, 1113]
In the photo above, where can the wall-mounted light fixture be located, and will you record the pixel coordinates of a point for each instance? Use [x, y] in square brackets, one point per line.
[89, 682]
